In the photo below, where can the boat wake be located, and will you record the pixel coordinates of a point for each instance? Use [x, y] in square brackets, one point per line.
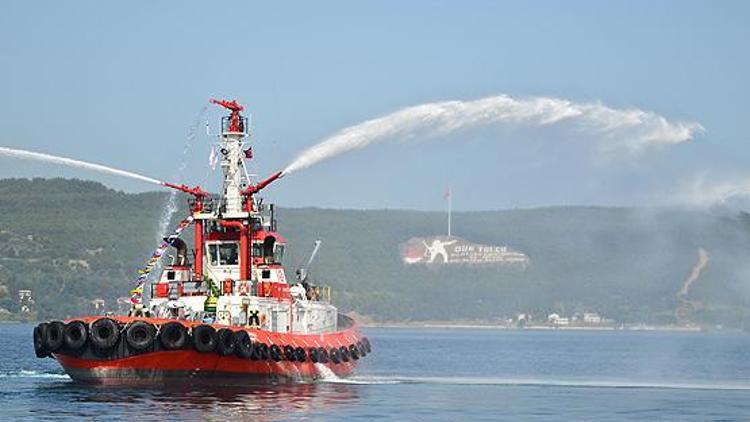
[328, 377]
[521, 382]
[23, 373]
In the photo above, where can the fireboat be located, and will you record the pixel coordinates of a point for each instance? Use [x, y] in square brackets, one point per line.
[230, 315]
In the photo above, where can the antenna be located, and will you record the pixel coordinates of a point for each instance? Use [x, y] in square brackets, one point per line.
[449, 196]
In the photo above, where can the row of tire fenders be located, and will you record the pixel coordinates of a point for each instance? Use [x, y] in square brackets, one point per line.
[104, 334]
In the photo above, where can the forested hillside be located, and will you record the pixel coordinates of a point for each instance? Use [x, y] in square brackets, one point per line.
[70, 241]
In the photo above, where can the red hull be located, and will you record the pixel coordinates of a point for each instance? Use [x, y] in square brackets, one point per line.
[176, 365]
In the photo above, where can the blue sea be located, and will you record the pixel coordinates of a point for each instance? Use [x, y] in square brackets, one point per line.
[432, 374]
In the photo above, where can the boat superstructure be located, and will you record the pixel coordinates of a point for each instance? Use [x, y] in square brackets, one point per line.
[226, 311]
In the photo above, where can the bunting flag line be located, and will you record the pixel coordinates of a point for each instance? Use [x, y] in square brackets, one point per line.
[153, 260]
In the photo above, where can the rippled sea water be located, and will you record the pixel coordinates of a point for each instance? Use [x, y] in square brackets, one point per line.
[432, 374]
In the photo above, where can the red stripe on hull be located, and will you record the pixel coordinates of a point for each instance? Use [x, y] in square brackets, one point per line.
[163, 366]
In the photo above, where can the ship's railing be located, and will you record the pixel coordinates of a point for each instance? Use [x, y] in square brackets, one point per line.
[184, 288]
[319, 293]
[210, 204]
[315, 293]
[226, 125]
[313, 318]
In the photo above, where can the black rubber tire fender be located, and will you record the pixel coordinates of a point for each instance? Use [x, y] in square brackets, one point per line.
[289, 352]
[335, 355]
[204, 338]
[322, 355]
[225, 342]
[275, 352]
[345, 354]
[243, 346]
[173, 335]
[354, 352]
[262, 351]
[104, 333]
[40, 337]
[300, 354]
[55, 336]
[313, 353]
[76, 335]
[140, 335]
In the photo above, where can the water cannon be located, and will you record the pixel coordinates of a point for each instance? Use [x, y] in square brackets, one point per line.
[303, 271]
[253, 189]
[197, 192]
[232, 106]
[235, 122]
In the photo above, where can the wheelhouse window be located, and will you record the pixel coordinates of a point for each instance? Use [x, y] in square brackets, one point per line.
[226, 253]
[269, 250]
[268, 247]
[278, 254]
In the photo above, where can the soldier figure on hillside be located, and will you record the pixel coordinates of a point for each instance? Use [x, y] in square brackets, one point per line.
[437, 248]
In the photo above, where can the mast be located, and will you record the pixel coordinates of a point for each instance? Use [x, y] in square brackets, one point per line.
[233, 131]
[449, 196]
[236, 211]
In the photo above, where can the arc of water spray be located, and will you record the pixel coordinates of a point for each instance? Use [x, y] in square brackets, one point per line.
[632, 130]
[54, 159]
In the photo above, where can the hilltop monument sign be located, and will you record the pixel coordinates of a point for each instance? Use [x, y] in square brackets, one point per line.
[449, 250]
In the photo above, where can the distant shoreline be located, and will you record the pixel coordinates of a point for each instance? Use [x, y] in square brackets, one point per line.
[479, 326]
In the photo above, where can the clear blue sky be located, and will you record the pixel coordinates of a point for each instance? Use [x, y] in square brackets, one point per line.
[121, 83]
